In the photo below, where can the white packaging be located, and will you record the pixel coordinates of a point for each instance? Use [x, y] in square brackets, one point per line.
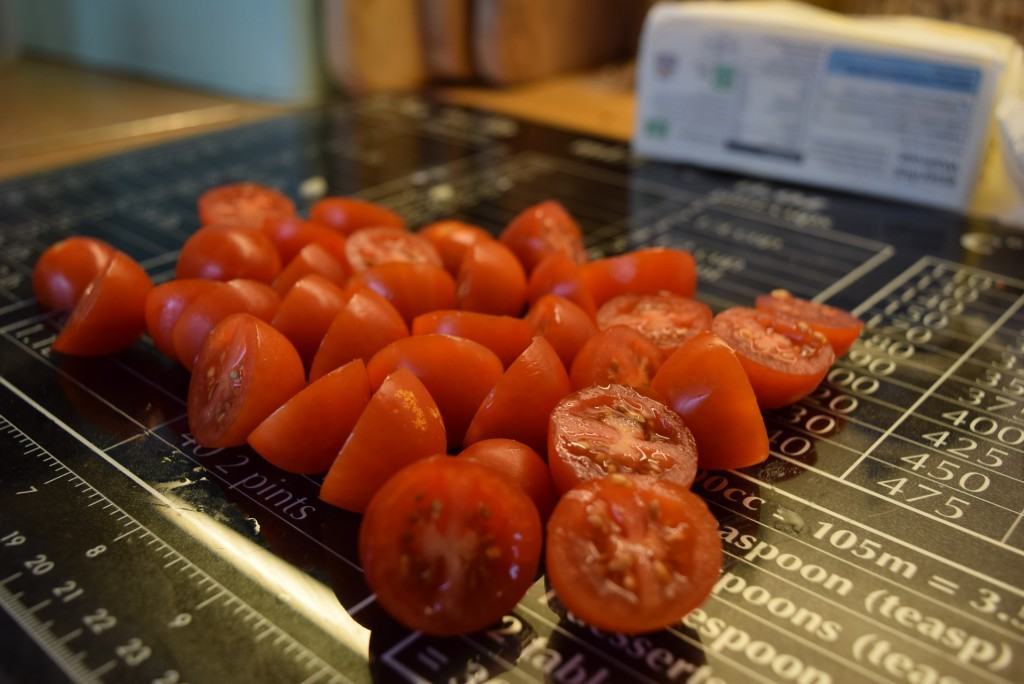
[891, 107]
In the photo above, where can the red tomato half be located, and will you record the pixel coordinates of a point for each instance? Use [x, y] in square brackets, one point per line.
[518, 463]
[614, 429]
[226, 253]
[784, 359]
[632, 554]
[451, 239]
[306, 313]
[244, 372]
[348, 214]
[311, 259]
[449, 546]
[413, 289]
[458, 373]
[645, 271]
[505, 336]
[247, 205]
[667, 320]
[164, 305]
[566, 326]
[839, 327]
[544, 229]
[366, 324]
[110, 314]
[559, 275]
[291, 233]
[706, 385]
[306, 433]
[491, 280]
[66, 268]
[371, 247]
[616, 356]
[401, 424]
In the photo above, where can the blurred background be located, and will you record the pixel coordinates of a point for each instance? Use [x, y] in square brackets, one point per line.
[80, 78]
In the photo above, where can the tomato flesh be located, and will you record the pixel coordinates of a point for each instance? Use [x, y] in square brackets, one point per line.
[610, 429]
[839, 327]
[66, 268]
[667, 320]
[631, 553]
[784, 359]
[616, 356]
[449, 546]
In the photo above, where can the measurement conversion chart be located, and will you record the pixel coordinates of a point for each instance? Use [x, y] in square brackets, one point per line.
[881, 542]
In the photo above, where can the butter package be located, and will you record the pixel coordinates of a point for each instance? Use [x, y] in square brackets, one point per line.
[892, 107]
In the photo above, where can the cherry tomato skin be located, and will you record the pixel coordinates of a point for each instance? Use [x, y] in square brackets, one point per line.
[544, 229]
[371, 247]
[784, 359]
[306, 313]
[520, 404]
[667, 320]
[311, 259]
[559, 275]
[610, 429]
[505, 336]
[400, 425]
[228, 252]
[839, 327]
[517, 463]
[645, 271]
[491, 280]
[211, 307]
[413, 289]
[247, 205]
[306, 433]
[347, 215]
[366, 324]
[458, 373]
[704, 382]
[632, 554]
[244, 372]
[616, 356]
[164, 305]
[110, 314]
[66, 268]
[452, 239]
[291, 233]
[448, 546]
[566, 326]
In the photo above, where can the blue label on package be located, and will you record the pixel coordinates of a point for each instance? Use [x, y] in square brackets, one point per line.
[903, 70]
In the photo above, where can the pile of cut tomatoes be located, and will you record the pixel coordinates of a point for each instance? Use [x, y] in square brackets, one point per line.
[578, 397]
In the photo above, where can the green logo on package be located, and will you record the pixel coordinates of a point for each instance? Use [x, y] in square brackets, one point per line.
[723, 76]
[656, 128]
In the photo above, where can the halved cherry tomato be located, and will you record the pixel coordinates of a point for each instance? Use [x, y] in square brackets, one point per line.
[247, 205]
[616, 356]
[449, 546]
[311, 259]
[291, 233]
[110, 314]
[491, 280]
[645, 271]
[505, 336]
[566, 326]
[366, 324]
[306, 313]
[244, 372]
[559, 275]
[665, 319]
[784, 359]
[520, 404]
[66, 268]
[704, 382]
[457, 372]
[371, 247]
[518, 463]
[632, 554]
[306, 433]
[348, 214]
[541, 230]
[228, 252]
[839, 327]
[401, 424]
[211, 307]
[451, 239]
[413, 289]
[164, 305]
[614, 429]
